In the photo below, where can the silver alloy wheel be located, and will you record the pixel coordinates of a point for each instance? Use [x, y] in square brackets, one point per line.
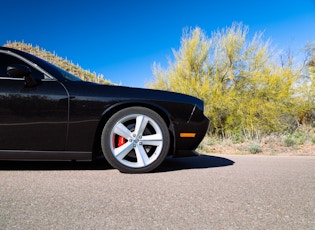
[135, 140]
[143, 141]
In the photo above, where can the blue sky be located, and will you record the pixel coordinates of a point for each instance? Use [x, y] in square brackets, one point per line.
[122, 39]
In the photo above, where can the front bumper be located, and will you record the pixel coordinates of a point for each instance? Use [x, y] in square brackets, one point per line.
[194, 130]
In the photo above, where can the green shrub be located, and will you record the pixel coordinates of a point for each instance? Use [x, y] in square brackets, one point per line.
[289, 141]
[237, 138]
[210, 141]
[296, 138]
[300, 137]
[254, 148]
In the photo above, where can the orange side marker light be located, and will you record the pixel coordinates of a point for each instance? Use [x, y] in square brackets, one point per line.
[187, 134]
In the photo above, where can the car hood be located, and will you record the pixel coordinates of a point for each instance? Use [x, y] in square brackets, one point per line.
[130, 93]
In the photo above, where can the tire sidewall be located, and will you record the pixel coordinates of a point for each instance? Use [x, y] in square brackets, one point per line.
[106, 139]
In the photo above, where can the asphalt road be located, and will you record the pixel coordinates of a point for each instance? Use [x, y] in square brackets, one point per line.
[206, 192]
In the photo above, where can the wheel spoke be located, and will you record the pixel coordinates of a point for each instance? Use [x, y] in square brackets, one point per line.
[122, 130]
[155, 140]
[141, 123]
[142, 157]
[135, 139]
[123, 150]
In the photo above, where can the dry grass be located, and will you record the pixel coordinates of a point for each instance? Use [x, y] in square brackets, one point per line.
[299, 143]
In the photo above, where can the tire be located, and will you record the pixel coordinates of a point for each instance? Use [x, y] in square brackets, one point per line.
[135, 140]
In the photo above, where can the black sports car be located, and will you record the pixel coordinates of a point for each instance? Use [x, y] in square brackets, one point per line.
[48, 114]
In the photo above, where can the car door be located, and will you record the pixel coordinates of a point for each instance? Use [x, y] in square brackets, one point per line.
[31, 118]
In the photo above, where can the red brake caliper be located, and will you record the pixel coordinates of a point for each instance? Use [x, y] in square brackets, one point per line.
[121, 141]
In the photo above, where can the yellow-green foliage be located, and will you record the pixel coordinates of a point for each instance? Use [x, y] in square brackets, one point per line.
[58, 61]
[188, 74]
[244, 89]
[307, 89]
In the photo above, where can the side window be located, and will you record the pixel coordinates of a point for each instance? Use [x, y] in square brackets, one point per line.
[7, 60]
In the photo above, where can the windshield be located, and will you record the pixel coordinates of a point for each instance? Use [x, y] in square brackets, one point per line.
[68, 75]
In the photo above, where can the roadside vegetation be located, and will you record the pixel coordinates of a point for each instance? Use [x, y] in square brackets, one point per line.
[65, 64]
[252, 91]
[297, 143]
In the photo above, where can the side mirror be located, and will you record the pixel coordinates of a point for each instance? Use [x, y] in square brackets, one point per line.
[19, 71]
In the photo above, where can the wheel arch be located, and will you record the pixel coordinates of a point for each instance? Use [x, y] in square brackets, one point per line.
[166, 116]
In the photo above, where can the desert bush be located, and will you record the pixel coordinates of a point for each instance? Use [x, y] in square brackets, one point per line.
[245, 87]
[298, 137]
[254, 148]
[289, 141]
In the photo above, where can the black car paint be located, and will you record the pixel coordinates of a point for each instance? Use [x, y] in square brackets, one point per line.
[59, 118]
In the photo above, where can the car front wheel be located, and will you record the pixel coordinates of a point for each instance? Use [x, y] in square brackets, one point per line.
[135, 140]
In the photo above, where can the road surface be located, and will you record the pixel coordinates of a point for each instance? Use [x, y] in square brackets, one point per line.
[206, 192]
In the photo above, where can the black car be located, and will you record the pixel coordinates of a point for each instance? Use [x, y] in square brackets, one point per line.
[47, 113]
